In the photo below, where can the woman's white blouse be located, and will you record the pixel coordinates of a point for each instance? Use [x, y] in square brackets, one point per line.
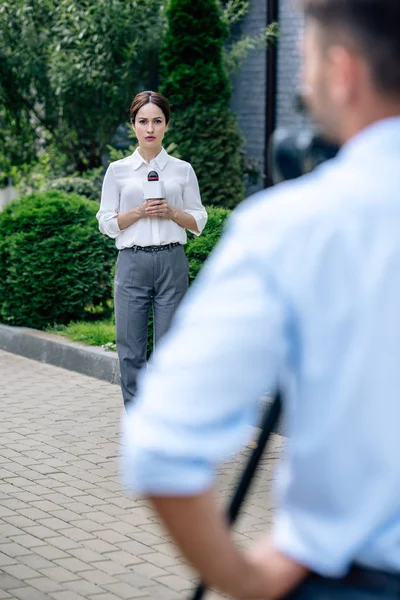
[123, 190]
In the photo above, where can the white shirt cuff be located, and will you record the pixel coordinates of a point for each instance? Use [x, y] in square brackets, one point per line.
[109, 226]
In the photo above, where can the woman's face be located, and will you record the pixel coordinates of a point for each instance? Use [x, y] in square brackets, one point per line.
[150, 126]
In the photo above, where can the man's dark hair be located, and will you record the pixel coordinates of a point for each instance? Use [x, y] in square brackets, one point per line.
[374, 26]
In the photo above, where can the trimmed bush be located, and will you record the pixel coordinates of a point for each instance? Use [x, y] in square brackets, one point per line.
[192, 60]
[213, 149]
[199, 248]
[54, 264]
[76, 185]
[194, 80]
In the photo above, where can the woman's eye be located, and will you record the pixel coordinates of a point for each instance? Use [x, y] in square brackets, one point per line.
[142, 122]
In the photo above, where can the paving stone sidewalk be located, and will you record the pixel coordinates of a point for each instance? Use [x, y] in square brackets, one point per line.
[68, 531]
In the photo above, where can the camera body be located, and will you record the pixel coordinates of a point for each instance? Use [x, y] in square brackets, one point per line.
[297, 150]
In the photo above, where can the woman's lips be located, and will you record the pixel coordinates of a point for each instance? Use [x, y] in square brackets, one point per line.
[150, 138]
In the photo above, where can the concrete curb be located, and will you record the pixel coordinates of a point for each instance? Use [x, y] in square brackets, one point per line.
[60, 352]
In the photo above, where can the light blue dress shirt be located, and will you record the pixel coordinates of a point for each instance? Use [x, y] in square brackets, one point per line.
[303, 289]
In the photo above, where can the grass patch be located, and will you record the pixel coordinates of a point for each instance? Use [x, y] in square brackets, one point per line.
[94, 333]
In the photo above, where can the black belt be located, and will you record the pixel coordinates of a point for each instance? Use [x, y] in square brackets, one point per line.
[155, 248]
[363, 577]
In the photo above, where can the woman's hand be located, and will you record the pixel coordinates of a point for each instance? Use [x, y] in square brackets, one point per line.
[158, 207]
[131, 216]
[141, 210]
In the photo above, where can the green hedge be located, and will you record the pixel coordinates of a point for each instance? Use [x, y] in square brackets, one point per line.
[77, 185]
[54, 264]
[208, 137]
[199, 248]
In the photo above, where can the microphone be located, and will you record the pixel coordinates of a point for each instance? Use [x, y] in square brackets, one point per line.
[153, 187]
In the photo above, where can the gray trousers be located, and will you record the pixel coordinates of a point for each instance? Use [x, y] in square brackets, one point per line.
[145, 279]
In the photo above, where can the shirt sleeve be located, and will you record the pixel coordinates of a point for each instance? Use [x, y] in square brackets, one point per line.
[109, 206]
[201, 392]
[192, 201]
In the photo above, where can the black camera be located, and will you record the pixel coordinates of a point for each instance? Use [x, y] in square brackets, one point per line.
[297, 150]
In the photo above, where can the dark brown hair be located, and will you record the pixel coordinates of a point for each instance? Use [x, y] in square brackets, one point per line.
[373, 25]
[145, 98]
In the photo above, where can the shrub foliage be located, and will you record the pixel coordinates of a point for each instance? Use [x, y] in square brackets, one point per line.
[54, 264]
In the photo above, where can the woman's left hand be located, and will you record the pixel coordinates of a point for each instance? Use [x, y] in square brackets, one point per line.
[158, 207]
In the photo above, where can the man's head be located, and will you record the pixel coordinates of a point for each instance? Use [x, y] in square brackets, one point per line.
[351, 73]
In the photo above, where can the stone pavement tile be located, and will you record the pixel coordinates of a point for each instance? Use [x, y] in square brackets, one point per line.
[14, 550]
[147, 539]
[54, 523]
[88, 526]
[124, 590]
[85, 588]
[19, 521]
[111, 567]
[101, 517]
[175, 582]
[7, 560]
[135, 580]
[35, 561]
[59, 574]
[50, 552]
[87, 555]
[103, 596]
[162, 560]
[149, 570]
[7, 530]
[183, 570]
[27, 593]
[44, 584]
[7, 582]
[100, 546]
[123, 558]
[78, 535]
[134, 547]
[99, 577]
[67, 595]
[19, 571]
[72, 564]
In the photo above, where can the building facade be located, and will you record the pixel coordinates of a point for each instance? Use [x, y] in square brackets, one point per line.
[251, 95]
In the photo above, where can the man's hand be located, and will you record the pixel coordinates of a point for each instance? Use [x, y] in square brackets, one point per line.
[276, 574]
[158, 207]
[200, 530]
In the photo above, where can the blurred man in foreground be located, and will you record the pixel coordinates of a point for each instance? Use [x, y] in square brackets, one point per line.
[304, 290]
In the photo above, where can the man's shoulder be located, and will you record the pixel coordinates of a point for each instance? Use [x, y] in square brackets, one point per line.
[296, 204]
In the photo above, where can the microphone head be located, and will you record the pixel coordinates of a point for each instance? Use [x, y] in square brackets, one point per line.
[152, 176]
